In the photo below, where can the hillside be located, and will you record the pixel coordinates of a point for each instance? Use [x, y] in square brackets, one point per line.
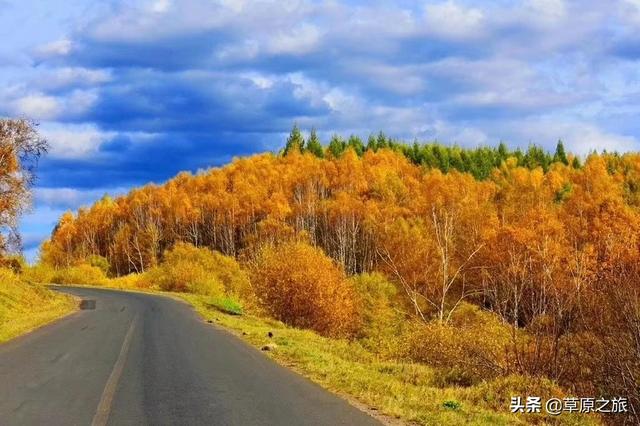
[527, 270]
[24, 306]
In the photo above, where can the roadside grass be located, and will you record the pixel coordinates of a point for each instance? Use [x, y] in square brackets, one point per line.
[397, 390]
[25, 307]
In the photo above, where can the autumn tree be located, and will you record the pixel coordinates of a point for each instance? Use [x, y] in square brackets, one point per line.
[20, 148]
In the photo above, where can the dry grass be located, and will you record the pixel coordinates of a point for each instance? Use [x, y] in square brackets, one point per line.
[24, 306]
[407, 391]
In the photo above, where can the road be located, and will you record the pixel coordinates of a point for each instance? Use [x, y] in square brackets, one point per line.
[139, 359]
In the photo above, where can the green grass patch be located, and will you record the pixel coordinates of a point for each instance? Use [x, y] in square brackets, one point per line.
[226, 305]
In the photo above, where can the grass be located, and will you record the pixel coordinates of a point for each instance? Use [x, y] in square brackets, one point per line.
[397, 390]
[25, 307]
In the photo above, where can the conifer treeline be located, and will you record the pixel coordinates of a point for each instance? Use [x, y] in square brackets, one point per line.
[478, 161]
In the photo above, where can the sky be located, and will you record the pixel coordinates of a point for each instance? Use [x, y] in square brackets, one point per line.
[131, 92]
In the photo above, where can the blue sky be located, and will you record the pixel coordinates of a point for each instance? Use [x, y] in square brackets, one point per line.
[129, 92]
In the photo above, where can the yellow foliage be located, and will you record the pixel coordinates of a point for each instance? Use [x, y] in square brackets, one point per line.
[381, 321]
[473, 346]
[40, 273]
[299, 285]
[186, 268]
[131, 281]
[81, 274]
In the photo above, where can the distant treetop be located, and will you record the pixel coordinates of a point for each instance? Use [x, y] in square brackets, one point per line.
[478, 161]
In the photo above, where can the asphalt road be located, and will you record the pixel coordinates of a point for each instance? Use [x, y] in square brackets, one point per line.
[139, 359]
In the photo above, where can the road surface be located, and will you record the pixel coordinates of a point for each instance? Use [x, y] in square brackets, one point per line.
[139, 359]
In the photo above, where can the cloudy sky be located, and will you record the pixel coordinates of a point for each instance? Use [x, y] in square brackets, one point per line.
[129, 92]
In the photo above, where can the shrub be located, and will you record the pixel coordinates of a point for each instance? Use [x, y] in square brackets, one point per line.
[471, 347]
[191, 269]
[299, 285]
[82, 274]
[380, 321]
[40, 273]
[99, 262]
[131, 281]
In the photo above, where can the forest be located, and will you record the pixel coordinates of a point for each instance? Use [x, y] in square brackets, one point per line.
[484, 262]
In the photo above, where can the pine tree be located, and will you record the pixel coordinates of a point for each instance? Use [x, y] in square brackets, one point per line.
[560, 156]
[576, 163]
[295, 141]
[356, 144]
[503, 153]
[372, 144]
[337, 146]
[382, 141]
[313, 144]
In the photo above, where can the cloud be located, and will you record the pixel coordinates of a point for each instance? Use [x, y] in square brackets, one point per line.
[74, 141]
[55, 48]
[71, 198]
[37, 106]
[450, 20]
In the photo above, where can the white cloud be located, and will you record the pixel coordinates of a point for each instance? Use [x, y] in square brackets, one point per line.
[74, 141]
[37, 106]
[71, 198]
[56, 48]
[300, 39]
[73, 76]
[451, 20]
[580, 137]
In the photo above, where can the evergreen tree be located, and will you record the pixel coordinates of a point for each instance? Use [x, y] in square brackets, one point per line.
[295, 141]
[576, 163]
[337, 146]
[503, 154]
[560, 156]
[382, 141]
[356, 144]
[313, 144]
[372, 144]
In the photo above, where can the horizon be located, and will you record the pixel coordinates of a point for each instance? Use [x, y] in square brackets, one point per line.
[129, 93]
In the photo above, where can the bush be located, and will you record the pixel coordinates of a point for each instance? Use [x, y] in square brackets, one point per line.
[99, 262]
[131, 281]
[186, 268]
[82, 274]
[380, 322]
[300, 286]
[40, 273]
[472, 347]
